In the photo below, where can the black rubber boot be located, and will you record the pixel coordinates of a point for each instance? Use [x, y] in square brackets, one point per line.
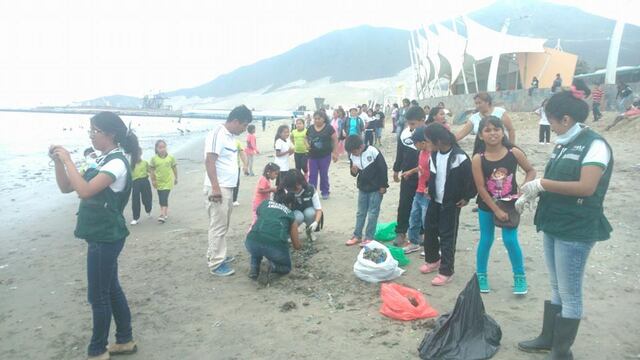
[564, 333]
[544, 341]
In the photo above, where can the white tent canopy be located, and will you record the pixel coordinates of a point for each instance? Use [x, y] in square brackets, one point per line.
[452, 48]
[483, 42]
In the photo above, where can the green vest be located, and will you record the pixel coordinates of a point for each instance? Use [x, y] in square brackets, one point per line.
[574, 218]
[273, 223]
[100, 217]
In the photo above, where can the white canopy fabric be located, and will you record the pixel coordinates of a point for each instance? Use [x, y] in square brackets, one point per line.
[483, 42]
[452, 48]
[432, 54]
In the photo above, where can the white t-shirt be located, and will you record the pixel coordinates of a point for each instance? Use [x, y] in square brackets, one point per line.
[441, 174]
[221, 142]
[598, 154]
[365, 118]
[543, 116]
[118, 170]
[282, 161]
[476, 118]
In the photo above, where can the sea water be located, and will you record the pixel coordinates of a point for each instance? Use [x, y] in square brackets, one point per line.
[25, 139]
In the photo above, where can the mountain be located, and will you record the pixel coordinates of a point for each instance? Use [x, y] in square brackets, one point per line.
[579, 32]
[366, 53]
[360, 53]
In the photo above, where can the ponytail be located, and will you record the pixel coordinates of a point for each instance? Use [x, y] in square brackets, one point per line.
[131, 146]
[112, 124]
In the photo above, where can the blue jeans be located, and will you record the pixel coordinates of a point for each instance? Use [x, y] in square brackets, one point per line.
[416, 217]
[566, 261]
[368, 207]
[487, 235]
[276, 253]
[106, 296]
[307, 216]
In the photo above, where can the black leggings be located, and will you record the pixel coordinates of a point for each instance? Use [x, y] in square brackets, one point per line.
[441, 235]
[163, 196]
[141, 189]
[407, 192]
[301, 162]
[544, 133]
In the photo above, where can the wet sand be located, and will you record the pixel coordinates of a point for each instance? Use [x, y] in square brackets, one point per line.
[319, 311]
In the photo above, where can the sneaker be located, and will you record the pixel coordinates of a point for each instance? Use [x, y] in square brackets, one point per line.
[149, 216]
[483, 282]
[161, 219]
[430, 267]
[235, 203]
[411, 248]
[123, 349]
[354, 240]
[229, 259]
[223, 270]
[441, 280]
[325, 197]
[134, 222]
[422, 254]
[520, 284]
[365, 242]
[541, 143]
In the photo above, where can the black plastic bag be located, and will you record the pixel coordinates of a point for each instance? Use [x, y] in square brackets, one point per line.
[466, 333]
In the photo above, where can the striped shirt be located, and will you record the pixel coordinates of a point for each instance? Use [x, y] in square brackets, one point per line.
[596, 95]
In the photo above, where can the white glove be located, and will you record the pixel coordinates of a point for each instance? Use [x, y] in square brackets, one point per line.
[523, 203]
[313, 226]
[531, 189]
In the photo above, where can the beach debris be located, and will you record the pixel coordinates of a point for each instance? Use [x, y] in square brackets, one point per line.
[4, 266]
[217, 324]
[288, 306]
[376, 255]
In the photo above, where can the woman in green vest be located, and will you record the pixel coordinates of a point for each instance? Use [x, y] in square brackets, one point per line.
[570, 214]
[104, 192]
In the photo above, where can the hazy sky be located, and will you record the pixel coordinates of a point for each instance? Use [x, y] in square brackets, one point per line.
[55, 52]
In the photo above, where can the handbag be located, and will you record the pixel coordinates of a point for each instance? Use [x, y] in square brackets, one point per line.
[508, 206]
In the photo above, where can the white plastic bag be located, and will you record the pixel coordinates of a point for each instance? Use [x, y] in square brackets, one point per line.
[369, 271]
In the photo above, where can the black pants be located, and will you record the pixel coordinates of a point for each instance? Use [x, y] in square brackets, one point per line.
[141, 188]
[368, 137]
[237, 188]
[407, 192]
[301, 161]
[596, 112]
[440, 235]
[163, 196]
[544, 134]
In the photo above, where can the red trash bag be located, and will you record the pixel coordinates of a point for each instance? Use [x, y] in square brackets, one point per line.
[404, 303]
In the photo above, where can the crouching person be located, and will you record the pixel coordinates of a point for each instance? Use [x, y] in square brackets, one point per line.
[268, 238]
[303, 199]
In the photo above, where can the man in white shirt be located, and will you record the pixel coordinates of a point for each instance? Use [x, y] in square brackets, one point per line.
[221, 163]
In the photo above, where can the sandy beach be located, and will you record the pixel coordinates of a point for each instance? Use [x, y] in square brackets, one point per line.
[180, 311]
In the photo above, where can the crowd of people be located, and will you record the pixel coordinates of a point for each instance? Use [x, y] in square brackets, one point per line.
[437, 178]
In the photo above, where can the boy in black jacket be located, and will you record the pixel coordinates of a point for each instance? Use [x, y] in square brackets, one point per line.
[368, 164]
[450, 188]
[406, 160]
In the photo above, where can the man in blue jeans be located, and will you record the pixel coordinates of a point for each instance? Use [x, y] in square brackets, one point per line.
[368, 164]
[268, 237]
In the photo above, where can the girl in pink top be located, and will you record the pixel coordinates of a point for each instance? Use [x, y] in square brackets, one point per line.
[264, 188]
[252, 148]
